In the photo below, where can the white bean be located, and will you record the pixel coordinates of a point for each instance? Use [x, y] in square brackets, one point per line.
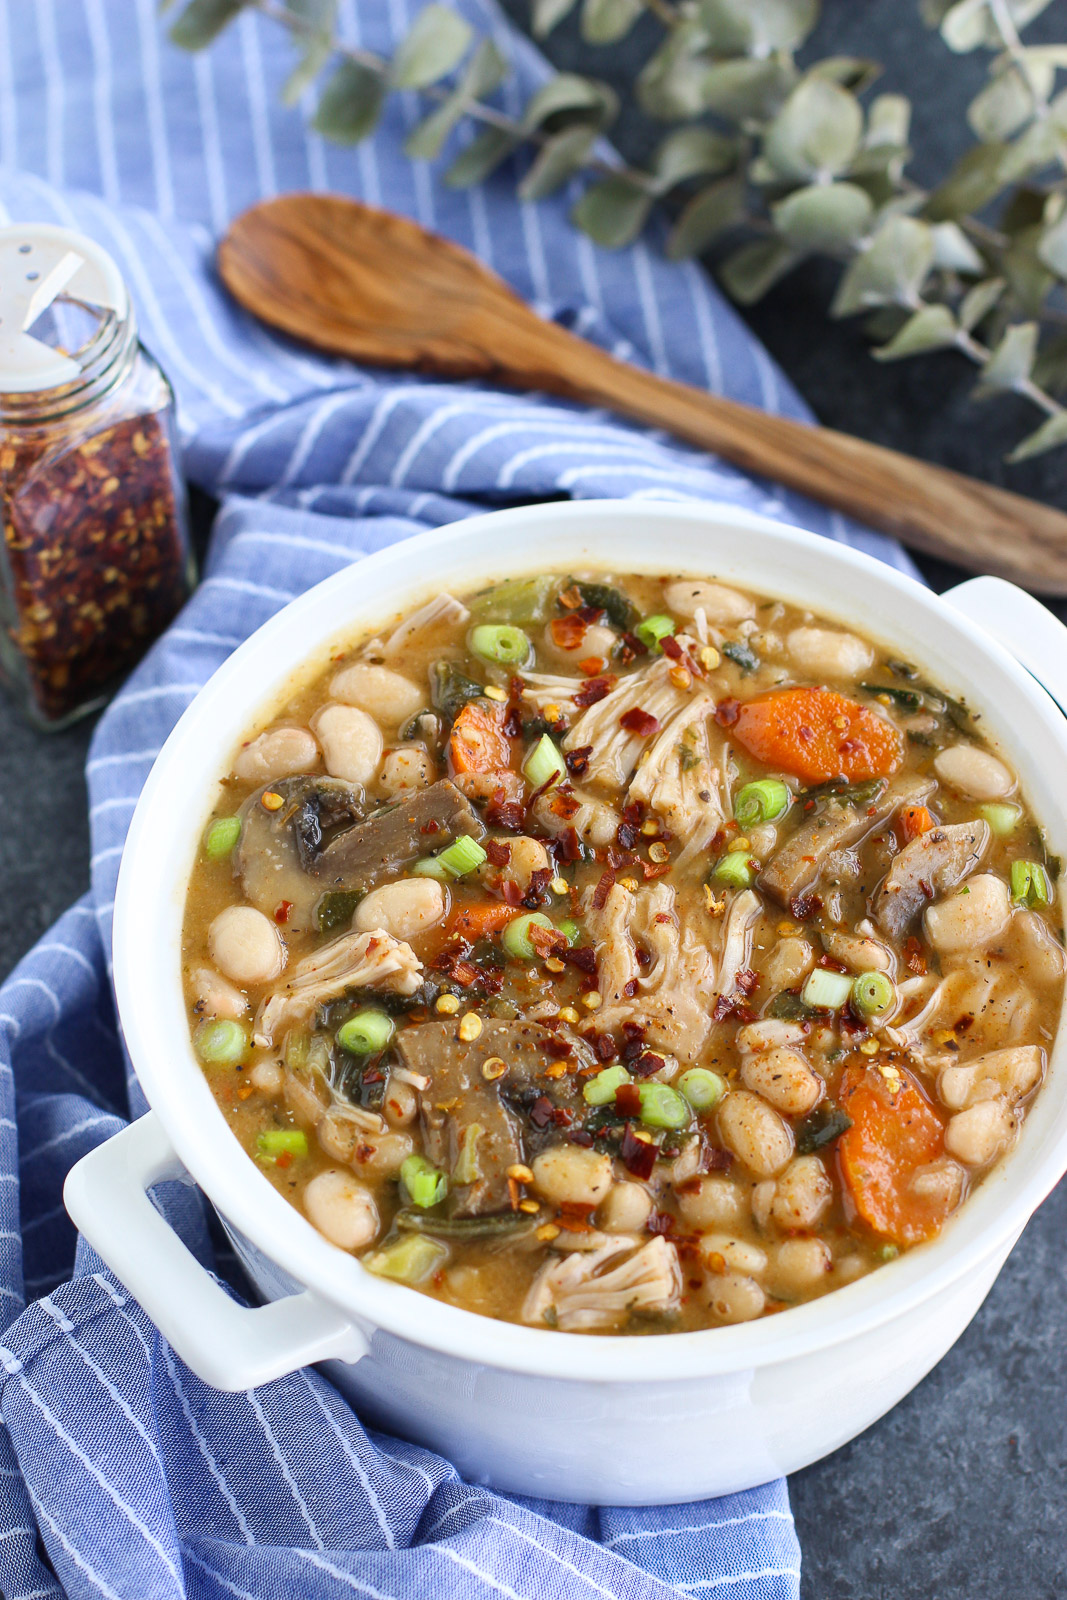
[939, 1184]
[526, 857]
[737, 1255]
[1012, 1072]
[718, 603]
[405, 908]
[595, 641]
[569, 1175]
[713, 1202]
[401, 1104]
[351, 742]
[734, 1297]
[246, 945]
[383, 1154]
[408, 767]
[278, 753]
[801, 1264]
[977, 1135]
[767, 1034]
[971, 917]
[802, 1193]
[784, 1079]
[342, 1209]
[825, 653]
[755, 1133]
[974, 772]
[267, 1076]
[790, 961]
[625, 1208]
[387, 695]
[216, 997]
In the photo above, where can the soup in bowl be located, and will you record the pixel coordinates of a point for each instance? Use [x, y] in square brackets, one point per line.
[622, 953]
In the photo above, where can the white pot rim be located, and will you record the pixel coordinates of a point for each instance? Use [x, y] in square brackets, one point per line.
[164, 836]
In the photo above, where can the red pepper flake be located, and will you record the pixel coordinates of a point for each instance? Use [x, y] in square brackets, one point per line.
[650, 870]
[540, 878]
[627, 835]
[914, 956]
[632, 647]
[629, 988]
[541, 1111]
[636, 1155]
[591, 615]
[660, 1222]
[639, 722]
[512, 724]
[583, 957]
[716, 1160]
[605, 1047]
[671, 647]
[592, 690]
[500, 812]
[570, 599]
[574, 1218]
[727, 712]
[498, 852]
[579, 1136]
[628, 1100]
[619, 858]
[831, 965]
[646, 1064]
[804, 906]
[633, 1034]
[283, 912]
[564, 804]
[285, 1159]
[556, 1048]
[546, 941]
[511, 892]
[747, 980]
[603, 889]
[592, 665]
[569, 846]
[577, 761]
[927, 889]
[567, 632]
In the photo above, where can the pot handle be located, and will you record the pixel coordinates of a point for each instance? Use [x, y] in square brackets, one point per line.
[229, 1346]
[1025, 627]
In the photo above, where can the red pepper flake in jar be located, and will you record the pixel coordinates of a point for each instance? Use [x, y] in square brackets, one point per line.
[94, 520]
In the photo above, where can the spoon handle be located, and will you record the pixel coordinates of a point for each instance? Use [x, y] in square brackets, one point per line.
[929, 508]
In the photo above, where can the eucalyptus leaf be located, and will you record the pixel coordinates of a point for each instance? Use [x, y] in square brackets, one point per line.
[817, 131]
[433, 47]
[670, 86]
[569, 93]
[758, 27]
[692, 153]
[933, 12]
[1007, 103]
[203, 20]
[953, 251]
[317, 51]
[965, 25]
[1051, 55]
[1047, 437]
[350, 104]
[606, 21]
[755, 268]
[978, 302]
[1013, 359]
[612, 212]
[932, 328]
[547, 14]
[486, 151]
[1052, 249]
[1029, 280]
[851, 72]
[745, 90]
[975, 180]
[485, 70]
[707, 216]
[888, 121]
[828, 217]
[1050, 368]
[558, 159]
[890, 271]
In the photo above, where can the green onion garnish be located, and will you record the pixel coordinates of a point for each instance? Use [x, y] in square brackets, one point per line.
[515, 937]
[544, 765]
[703, 1089]
[735, 870]
[277, 1142]
[423, 1182]
[221, 836]
[600, 1091]
[501, 643]
[825, 990]
[1003, 819]
[430, 867]
[873, 994]
[221, 1043]
[1029, 884]
[462, 856]
[468, 1168]
[570, 931]
[663, 1107]
[365, 1033]
[407, 1260]
[762, 801]
[652, 629]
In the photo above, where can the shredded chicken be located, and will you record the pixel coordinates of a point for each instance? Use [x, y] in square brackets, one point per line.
[574, 1294]
[736, 941]
[356, 961]
[1000, 1010]
[443, 608]
[593, 820]
[615, 749]
[669, 996]
[679, 781]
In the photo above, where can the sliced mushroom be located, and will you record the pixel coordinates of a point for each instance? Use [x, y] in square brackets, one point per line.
[395, 835]
[840, 823]
[274, 857]
[929, 866]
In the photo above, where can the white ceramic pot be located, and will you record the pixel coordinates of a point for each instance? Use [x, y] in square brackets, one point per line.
[610, 1420]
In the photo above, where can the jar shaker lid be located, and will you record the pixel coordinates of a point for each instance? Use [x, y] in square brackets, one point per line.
[41, 263]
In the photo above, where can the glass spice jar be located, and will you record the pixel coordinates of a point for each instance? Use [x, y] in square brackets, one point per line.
[95, 559]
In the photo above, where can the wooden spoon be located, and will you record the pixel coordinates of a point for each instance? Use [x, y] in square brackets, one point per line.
[359, 282]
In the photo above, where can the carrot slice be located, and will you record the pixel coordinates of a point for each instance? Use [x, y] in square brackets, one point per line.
[818, 735]
[480, 919]
[915, 820]
[478, 742]
[895, 1131]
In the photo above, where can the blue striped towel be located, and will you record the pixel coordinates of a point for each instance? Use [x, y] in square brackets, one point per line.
[120, 1474]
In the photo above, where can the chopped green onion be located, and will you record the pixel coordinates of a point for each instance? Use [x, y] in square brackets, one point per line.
[462, 856]
[221, 1043]
[277, 1142]
[762, 801]
[826, 990]
[423, 1182]
[600, 1091]
[467, 1168]
[221, 836]
[1029, 884]
[1003, 819]
[570, 931]
[735, 870]
[501, 643]
[889, 1252]
[652, 629]
[430, 867]
[703, 1089]
[544, 765]
[407, 1260]
[365, 1033]
[516, 600]
[515, 937]
[663, 1107]
[873, 994]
